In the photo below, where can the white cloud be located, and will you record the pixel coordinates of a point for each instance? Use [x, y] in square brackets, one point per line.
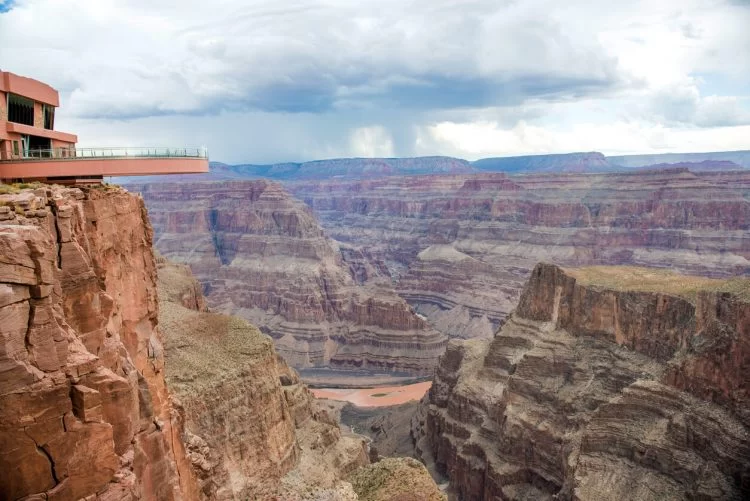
[684, 104]
[480, 140]
[260, 80]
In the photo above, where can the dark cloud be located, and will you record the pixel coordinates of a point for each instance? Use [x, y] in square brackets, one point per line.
[309, 56]
[267, 81]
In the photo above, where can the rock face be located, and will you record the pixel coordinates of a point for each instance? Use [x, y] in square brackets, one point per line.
[395, 479]
[249, 420]
[460, 248]
[605, 383]
[261, 255]
[84, 410]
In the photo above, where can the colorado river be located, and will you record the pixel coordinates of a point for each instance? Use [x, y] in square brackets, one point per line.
[375, 397]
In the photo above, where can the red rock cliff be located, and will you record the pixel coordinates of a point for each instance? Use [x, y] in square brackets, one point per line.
[84, 410]
[605, 383]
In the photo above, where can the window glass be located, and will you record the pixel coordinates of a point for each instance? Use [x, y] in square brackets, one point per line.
[20, 110]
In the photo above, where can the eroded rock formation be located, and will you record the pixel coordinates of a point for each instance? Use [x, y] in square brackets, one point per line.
[253, 430]
[605, 383]
[261, 255]
[84, 410]
[460, 248]
[395, 479]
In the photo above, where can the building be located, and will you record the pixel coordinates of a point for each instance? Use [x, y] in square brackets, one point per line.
[31, 148]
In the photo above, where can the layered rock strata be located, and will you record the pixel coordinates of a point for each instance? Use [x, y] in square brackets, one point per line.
[84, 409]
[605, 383]
[261, 255]
[253, 430]
[461, 247]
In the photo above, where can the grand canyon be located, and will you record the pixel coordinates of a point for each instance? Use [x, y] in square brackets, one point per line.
[456, 248]
[558, 378]
[374, 250]
[578, 336]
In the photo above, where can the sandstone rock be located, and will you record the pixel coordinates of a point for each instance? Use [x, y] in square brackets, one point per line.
[261, 255]
[249, 419]
[78, 307]
[692, 223]
[603, 384]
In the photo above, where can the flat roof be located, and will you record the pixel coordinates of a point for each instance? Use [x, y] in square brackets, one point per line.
[28, 87]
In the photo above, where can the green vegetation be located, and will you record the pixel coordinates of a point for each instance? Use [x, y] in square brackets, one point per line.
[7, 189]
[379, 395]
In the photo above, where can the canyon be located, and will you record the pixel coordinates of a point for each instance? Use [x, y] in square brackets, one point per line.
[253, 430]
[125, 376]
[118, 383]
[459, 248]
[261, 255]
[604, 383]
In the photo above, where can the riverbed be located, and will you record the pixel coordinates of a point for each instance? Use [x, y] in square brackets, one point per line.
[375, 397]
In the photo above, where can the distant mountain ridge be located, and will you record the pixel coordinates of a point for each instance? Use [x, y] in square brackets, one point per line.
[373, 168]
[347, 168]
[741, 158]
[592, 161]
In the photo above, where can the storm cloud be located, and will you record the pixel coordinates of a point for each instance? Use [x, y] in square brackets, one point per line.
[296, 80]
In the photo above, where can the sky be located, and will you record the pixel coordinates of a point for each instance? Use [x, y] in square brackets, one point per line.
[261, 81]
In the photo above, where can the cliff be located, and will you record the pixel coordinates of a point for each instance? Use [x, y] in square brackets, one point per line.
[605, 383]
[261, 255]
[84, 409]
[253, 430]
[460, 248]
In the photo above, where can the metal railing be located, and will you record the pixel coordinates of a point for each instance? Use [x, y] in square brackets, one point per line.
[83, 153]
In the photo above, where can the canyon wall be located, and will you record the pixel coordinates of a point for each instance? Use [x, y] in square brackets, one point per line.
[261, 255]
[84, 409]
[253, 430]
[460, 248]
[604, 383]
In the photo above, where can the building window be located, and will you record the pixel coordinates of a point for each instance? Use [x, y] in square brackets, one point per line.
[20, 110]
[15, 148]
[49, 116]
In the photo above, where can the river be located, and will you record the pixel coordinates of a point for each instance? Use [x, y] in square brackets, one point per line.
[375, 397]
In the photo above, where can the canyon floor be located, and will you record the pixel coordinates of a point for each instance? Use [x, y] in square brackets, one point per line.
[379, 396]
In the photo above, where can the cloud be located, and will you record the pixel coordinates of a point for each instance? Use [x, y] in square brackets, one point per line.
[131, 58]
[683, 104]
[263, 81]
[479, 140]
